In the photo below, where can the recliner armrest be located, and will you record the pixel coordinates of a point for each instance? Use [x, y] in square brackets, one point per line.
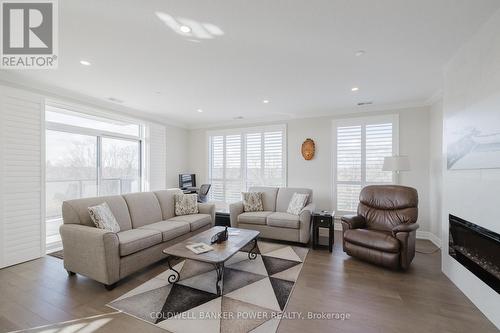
[405, 228]
[235, 209]
[353, 221]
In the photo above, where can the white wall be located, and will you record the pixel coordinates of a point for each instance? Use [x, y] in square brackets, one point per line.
[317, 173]
[436, 161]
[472, 78]
[177, 158]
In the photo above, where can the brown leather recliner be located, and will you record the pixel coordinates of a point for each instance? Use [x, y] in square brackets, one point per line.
[384, 230]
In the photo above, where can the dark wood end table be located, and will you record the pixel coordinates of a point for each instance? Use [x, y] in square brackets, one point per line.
[321, 219]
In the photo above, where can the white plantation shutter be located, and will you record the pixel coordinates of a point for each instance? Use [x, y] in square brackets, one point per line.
[233, 168]
[243, 158]
[273, 159]
[378, 146]
[348, 167]
[21, 177]
[156, 141]
[360, 147]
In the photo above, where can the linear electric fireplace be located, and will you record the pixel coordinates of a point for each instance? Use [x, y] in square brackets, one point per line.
[476, 248]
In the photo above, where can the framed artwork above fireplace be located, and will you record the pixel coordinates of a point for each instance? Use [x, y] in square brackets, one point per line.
[473, 136]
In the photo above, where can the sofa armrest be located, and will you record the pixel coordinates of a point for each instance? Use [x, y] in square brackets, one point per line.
[405, 228]
[207, 208]
[235, 209]
[353, 222]
[305, 223]
[91, 251]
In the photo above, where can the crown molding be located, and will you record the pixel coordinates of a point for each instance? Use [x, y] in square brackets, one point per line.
[334, 113]
[67, 96]
[437, 96]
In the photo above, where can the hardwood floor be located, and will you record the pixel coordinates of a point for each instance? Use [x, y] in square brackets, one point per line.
[39, 293]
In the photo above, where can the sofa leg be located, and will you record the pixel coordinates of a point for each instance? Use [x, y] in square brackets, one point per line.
[70, 273]
[110, 286]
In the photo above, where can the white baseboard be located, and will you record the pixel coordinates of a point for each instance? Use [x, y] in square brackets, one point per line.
[420, 234]
[429, 236]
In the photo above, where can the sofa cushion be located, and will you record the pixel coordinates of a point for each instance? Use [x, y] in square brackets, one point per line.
[196, 221]
[252, 201]
[103, 217]
[135, 240]
[254, 217]
[186, 204]
[167, 202]
[377, 240]
[285, 194]
[268, 196]
[76, 211]
[283, 220]
[144, 208]
[297, 202]
[169, 229]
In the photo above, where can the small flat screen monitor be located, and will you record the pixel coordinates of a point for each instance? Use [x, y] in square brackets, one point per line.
[187, 180]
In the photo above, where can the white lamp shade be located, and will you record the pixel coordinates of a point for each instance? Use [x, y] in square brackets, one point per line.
[396, 163]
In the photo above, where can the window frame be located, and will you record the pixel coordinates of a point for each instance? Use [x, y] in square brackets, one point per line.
[363, 122]
[100, 134]
[243, 131]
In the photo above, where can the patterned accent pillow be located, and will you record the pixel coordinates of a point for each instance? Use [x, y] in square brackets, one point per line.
[103, 217]
[297, 202]
[186, 204]
[252, 201]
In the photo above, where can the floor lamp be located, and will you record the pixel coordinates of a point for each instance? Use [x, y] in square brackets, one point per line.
[396, 164]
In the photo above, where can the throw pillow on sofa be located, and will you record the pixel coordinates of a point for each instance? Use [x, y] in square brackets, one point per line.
[252, 201]
[103, 217]
[297, 202]
[186, 204]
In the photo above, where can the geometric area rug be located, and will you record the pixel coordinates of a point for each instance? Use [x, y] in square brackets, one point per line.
[254, 293]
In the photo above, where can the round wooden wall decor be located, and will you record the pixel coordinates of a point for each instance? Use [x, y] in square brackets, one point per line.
[308, 149]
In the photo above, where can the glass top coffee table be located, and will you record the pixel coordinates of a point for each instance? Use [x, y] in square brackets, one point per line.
[218, 255]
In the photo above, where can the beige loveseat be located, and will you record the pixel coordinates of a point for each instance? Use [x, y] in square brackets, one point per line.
[274, 222]
[148, 225]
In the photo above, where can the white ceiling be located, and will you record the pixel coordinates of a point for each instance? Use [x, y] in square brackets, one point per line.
[298, 54]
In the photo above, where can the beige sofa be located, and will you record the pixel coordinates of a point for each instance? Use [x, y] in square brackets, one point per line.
[274, 222]
[148, 225]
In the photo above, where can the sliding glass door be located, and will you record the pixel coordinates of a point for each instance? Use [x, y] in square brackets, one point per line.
[120, 166]
[87, 156]
[71, 173]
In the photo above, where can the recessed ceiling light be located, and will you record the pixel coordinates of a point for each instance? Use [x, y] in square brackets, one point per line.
[266, 101]
[199, 110]
[354, 89]
[359, 53]
[185, 29]
[85, 63]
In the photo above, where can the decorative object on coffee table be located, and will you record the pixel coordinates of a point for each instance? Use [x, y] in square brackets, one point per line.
[220, 237]
[308, 149]
[323, 219]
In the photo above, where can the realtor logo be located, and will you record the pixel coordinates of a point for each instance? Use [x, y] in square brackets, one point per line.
[29, 34]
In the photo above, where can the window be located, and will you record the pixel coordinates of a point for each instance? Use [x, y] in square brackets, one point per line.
[239, 159]
[87, 156]
[360, 147]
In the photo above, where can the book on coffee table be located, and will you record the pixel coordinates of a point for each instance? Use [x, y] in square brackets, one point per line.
[199, 247]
